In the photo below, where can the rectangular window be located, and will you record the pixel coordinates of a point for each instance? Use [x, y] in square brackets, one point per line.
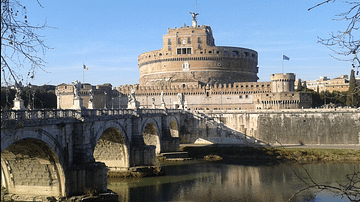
[169, 41]
[169, 47]
[183, 51]
[179, 41]
[189, 41]
[199, 40]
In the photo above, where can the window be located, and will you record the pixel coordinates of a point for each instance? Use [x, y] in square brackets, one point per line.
[169, 47]
[246, 54]
[253, 55]
[235, 53]
[169, 41]
[240, 96]
[185, 66]
[179, 41]
[199, 40]
[189, 41]
[225, 53]
[246, 96]
[183, 51]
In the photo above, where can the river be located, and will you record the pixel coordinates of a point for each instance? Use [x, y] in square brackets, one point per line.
[204, 181]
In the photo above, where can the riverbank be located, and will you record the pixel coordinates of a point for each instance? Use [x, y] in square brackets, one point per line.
[273, 154]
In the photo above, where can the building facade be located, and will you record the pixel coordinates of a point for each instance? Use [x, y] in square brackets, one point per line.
[190, 72]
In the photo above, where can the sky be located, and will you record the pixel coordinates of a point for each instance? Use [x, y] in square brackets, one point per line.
[108, 36]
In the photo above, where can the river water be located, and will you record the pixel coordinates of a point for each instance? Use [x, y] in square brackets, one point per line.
[204, 181]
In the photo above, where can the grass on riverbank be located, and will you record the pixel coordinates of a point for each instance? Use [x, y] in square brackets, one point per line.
[274, 154]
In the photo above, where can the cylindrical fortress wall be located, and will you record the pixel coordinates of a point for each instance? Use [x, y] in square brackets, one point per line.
[190, 55]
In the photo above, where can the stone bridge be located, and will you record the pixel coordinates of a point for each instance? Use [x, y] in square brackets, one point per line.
[66, 152]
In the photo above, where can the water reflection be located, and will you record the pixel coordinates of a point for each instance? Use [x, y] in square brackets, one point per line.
[202, 181]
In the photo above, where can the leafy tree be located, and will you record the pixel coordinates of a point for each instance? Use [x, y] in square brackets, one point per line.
[304, 87]
[299, 86]
[345, 43]
[19, 42]
[352, 98]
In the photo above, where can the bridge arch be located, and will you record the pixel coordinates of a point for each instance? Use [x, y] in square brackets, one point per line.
[152, 134]
[173, 125]
[112, 146]
[32, 163]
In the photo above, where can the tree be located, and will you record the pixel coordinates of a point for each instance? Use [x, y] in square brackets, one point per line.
[20, 43]
[344, 42]
[299, 86]
[352, 97]
[304, 87]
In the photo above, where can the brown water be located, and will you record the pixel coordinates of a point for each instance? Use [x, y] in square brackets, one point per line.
[202, 181]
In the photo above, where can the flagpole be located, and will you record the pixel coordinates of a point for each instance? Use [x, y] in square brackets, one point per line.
[83, 73]
[282, 63]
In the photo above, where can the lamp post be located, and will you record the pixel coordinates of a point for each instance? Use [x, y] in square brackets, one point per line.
[119, 100]
[170, 103]
[105, 99]
[29, 94]
[112, 102]
[33, 99]
[220, 105]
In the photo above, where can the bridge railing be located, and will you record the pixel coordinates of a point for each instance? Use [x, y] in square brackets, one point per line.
[105, 112]
[38, 114]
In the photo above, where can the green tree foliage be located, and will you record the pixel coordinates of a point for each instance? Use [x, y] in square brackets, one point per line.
[353, 94]
[42, 97]
[299, 86]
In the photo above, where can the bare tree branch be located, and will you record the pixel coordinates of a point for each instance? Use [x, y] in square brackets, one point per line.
[344, 43]
[20, 44]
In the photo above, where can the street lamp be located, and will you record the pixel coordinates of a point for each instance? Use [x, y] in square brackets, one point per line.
[105, 99]
[29, 94]
[220, 105]
[112, 102]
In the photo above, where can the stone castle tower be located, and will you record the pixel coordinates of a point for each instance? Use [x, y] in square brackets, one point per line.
[189, 56]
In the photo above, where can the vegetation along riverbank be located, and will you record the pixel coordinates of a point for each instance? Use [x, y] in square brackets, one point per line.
[274, 154]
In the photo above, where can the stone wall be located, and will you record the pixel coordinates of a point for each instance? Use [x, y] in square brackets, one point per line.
[311, 126]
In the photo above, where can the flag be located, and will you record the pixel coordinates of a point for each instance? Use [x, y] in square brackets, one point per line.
[285, 57]
[85, 67]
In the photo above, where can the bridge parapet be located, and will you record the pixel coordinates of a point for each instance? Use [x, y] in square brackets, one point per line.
[38, 114]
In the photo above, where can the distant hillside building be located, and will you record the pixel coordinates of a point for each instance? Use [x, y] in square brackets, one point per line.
[190, 72]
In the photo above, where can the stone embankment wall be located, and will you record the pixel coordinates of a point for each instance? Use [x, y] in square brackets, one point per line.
[311, 126]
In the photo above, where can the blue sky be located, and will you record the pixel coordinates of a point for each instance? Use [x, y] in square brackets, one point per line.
[108, 36]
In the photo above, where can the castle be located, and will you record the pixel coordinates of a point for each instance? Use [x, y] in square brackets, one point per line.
[191, 72]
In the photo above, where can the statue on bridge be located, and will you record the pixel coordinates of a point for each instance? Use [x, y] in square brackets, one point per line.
[162, 100]
[153, 103]
[131, 100]
[77, 101]
[18, 88]
[91, 104]
[18, 102]
[180, 100]
[76, 88]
